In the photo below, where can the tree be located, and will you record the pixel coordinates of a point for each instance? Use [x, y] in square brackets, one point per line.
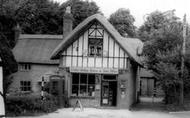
[38, 16]
[80, 10]
[45, 16]
[123, 21]
[7, 42]
[163, 40]
[154, 21]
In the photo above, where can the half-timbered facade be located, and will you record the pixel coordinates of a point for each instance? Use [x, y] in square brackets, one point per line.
[101, 65]
[95, 48]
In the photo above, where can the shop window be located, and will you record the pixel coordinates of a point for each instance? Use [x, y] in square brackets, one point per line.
[25, 85]
[83, 85]
[24, 67]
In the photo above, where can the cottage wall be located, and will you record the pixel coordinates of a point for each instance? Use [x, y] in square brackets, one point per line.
[34, 75]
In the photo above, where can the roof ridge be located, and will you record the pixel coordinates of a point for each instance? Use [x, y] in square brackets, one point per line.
[40, 36]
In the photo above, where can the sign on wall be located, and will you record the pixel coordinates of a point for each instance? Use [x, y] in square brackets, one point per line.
[94, 70]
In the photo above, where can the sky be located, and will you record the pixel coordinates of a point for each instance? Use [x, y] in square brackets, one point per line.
[141, 8]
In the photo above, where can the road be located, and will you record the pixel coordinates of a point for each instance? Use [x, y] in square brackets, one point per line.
[109, 113]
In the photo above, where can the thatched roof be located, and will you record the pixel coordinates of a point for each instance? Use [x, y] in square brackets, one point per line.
[36, 48]
[127, 46]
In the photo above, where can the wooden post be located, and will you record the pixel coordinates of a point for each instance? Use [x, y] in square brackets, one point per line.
[42, 91]
[2, 102]
[183, 61]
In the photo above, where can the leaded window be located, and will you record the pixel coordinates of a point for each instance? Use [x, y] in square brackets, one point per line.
[25, 85]
[95, 40]
[24, 67]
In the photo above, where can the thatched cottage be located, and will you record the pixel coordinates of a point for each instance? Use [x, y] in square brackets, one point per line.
[98, 65]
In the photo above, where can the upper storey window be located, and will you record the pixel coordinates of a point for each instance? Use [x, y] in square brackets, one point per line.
[24, 67]
[95, 40]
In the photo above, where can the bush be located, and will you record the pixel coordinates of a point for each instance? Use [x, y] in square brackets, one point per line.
[30, 103]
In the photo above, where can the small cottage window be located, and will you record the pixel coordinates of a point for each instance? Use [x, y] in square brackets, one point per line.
[83, 85]
[25, 85]
[24, 67]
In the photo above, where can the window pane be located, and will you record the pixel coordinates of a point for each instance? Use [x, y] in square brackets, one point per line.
[92, 50]
[91, 79]
[75, 89]
[99, 51]
[83, 90]
[21, 82]
[83, 79]
[28, 83]
[75, 78]
[91, 90]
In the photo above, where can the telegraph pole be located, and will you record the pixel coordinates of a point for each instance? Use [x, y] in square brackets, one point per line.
[183, 61]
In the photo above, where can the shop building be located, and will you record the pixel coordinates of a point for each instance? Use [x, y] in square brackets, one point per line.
[92, 63]
[101, 66]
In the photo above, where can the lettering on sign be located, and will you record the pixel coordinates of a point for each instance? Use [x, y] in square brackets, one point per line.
[94, 70]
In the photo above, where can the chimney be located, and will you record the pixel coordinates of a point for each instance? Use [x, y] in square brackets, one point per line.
[67, 22]
[17, 31]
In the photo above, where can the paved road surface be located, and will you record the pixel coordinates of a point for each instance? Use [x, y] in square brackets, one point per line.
[109, 113]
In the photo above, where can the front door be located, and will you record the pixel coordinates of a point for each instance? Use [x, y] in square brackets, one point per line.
[109, 90]
[57, 89]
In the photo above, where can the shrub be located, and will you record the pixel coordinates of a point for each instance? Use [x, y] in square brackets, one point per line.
[30, 103]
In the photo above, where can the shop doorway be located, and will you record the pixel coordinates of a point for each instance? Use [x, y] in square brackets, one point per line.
[109, 90]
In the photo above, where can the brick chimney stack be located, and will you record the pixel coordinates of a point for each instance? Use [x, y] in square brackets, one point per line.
[67, 22]
[17, 32]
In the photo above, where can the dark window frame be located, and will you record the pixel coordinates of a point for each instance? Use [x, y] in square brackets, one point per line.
[24, 67]
[25, 86]
[89, 86]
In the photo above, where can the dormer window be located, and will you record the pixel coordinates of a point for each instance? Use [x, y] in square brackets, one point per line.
[95, 47]
[95, 40]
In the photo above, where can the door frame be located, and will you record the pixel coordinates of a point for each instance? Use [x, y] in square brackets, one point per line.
[101, 96]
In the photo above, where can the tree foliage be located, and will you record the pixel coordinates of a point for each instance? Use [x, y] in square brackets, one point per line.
[123, 21]
[162, 34]
[45, 16]
[7, 42]
[156, 21]
[80, 9]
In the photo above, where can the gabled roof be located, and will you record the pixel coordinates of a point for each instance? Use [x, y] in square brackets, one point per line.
[125, 43]
[36, 48]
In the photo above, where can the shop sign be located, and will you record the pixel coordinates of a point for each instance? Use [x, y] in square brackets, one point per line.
[94, 70]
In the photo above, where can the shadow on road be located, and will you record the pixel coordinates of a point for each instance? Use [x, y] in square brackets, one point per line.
[150, 104]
